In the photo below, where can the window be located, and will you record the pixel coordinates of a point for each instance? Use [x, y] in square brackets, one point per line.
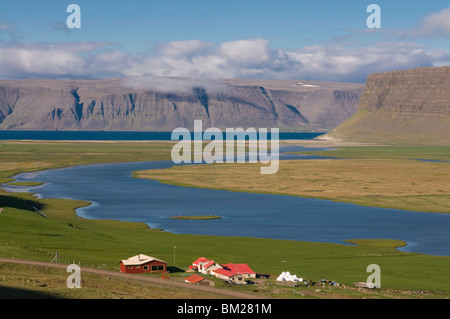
[145, 267]
[157, 267]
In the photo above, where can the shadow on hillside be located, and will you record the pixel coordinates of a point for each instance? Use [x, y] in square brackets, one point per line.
[19, 203]
[16, 293]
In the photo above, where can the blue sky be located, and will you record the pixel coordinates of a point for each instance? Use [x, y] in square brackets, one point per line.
[305, 40]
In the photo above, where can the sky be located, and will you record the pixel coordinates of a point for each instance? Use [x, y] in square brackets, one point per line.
[323, 40]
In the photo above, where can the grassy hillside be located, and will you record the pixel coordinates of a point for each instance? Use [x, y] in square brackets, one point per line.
[393, 128]
[402, 107]
[102, 244]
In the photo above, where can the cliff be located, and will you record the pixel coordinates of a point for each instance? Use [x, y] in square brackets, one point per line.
[407, 107]
[134, 104]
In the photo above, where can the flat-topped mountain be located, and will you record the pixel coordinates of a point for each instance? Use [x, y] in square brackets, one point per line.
[410, 106]
[163, 104]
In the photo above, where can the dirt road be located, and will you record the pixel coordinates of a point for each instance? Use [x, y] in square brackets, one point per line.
[156, 281]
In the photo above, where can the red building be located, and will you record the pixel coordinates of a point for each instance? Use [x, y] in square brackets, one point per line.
[204, 265]
[236, 273]
[143, 264]
[241, 269]
[199, 280]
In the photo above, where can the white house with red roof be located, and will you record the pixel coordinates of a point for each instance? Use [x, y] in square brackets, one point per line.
[204, 265]
[236, 273]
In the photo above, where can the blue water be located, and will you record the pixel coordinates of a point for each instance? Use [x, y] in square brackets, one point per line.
[121, 135]
[116, 195]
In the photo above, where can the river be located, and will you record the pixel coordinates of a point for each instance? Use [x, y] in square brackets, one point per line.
[115, 194]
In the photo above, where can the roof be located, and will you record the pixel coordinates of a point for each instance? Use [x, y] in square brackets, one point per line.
[201, 260]
[238, 268]
[209, 264]
[194, 279]
[230, 270]
[140, 259]
[224, 272]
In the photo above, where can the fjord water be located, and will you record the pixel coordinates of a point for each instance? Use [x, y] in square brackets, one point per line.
[115, 194]
[120, 135]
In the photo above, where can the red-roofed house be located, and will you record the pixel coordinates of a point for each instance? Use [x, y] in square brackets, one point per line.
[196, 279]
[242, 269]
[143, 264]
[236, 273]
[204, 265]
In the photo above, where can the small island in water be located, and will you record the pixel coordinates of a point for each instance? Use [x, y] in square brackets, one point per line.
[196, 217]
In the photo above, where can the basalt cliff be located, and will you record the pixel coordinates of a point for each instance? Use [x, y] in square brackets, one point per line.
[402, 107]
[135, 104]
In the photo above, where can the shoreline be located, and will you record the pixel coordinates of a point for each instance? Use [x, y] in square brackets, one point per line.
[133, 175]
[89, 203]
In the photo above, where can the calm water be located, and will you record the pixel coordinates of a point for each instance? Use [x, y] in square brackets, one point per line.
[116, 195]
[121, 136]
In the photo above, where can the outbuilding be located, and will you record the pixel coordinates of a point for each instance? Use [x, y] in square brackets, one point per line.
[199, 280]
[143, 264]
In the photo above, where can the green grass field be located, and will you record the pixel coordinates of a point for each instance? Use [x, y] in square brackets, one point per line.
[441, 153]
[25, 234]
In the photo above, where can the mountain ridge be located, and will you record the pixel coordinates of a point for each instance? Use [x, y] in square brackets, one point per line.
[149, 104]
[408, 107]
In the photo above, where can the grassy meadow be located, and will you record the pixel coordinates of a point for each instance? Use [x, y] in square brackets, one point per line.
[379, 176]
[25, 234]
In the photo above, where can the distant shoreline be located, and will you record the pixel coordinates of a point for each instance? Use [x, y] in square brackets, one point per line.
[196, 217]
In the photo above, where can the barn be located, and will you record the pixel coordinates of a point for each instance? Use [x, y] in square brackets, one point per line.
[142, 264]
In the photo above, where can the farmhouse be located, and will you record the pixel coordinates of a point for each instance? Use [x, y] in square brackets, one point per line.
[142, 264]
[235, 273]
[204, 265]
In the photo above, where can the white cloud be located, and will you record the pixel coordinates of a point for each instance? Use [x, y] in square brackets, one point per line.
[253, 51]
[186, 48]
[354, 64]
[435, 25]
[252, 58]
[169, 84]
[74, 59]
